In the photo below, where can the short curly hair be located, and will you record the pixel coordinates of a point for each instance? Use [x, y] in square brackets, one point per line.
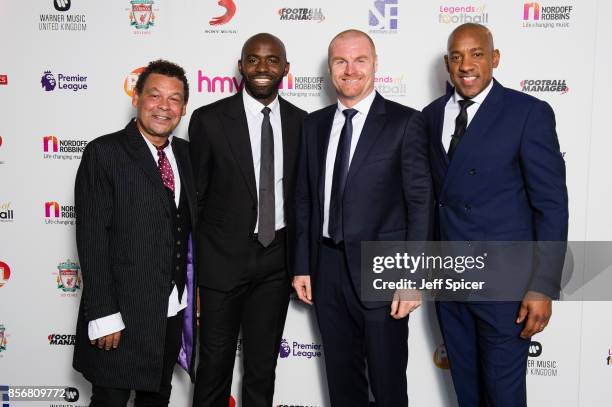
[166, 68]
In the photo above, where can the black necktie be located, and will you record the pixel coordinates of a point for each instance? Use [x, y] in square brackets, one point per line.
[341, 167]
[460, 125]
[267, 217]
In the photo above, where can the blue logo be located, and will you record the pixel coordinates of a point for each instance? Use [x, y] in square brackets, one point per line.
[284, 350]
[383, 16]
[48, 81]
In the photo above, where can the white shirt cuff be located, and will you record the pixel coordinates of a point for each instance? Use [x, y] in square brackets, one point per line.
[105, 326]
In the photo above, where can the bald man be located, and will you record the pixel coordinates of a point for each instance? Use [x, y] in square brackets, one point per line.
[498, 176]
[244, 150]
[363, 176]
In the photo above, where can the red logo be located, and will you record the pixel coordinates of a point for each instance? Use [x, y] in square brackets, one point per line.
[230, 10]
[232, 402]
[4, 78]
[5, 274]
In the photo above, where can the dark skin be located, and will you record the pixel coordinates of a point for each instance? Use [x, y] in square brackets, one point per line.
[470, 62]
[263, 65]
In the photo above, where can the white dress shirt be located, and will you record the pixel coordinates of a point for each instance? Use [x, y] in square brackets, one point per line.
[363, 107]
[113, 323]
[451, 111]
[255, 117]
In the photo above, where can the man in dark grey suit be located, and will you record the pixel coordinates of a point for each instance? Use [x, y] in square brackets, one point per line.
[244, 149]
[135, 209]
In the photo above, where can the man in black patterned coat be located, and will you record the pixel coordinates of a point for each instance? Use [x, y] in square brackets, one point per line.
[135, 209]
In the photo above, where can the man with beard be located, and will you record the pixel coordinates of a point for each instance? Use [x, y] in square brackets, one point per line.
[245, 150]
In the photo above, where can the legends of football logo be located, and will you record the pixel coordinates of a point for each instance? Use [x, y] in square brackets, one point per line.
[5, 273]
[72, 82]
[142, 15]
[383, 16]
[471, 13]
[6, 212]
[68, 277]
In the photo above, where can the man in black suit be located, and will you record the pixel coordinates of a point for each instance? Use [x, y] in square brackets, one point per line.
[244, 149]
[363, 175]
[135, 208]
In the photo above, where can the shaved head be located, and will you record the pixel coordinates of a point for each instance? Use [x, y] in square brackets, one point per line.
[474, 29]
[352, 33]
[261, 38]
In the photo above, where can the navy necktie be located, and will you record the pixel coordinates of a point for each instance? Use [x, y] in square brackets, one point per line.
[341, 167]
[460, 126]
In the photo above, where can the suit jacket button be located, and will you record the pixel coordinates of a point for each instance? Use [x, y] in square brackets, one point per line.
[472, 171]
[441, 204]
[468, 207]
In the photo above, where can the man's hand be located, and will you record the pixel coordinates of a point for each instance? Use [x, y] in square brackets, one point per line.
[404, 302]
[107, 342]
[537, 308]
[302, 287]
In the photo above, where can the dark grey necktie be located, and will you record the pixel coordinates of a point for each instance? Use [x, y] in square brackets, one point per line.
[460, 126]
[341, 167]
[267, 217]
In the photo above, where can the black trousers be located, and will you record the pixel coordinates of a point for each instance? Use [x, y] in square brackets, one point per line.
[355, 337]
[115, 397]
[259, 305]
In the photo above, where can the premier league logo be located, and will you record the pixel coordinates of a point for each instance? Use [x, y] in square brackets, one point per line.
[2, 338]
[68, 278]
[48, 81]
[284, 350]
[141, 15]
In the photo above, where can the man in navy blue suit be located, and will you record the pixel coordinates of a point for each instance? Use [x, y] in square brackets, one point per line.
[498, 176]
[363, 175]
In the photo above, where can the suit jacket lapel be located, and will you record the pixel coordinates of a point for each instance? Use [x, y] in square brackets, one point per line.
[323, 132]
[141, 154]
[290, 142]
[235, 121]
[374, 123]
[476, 131]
